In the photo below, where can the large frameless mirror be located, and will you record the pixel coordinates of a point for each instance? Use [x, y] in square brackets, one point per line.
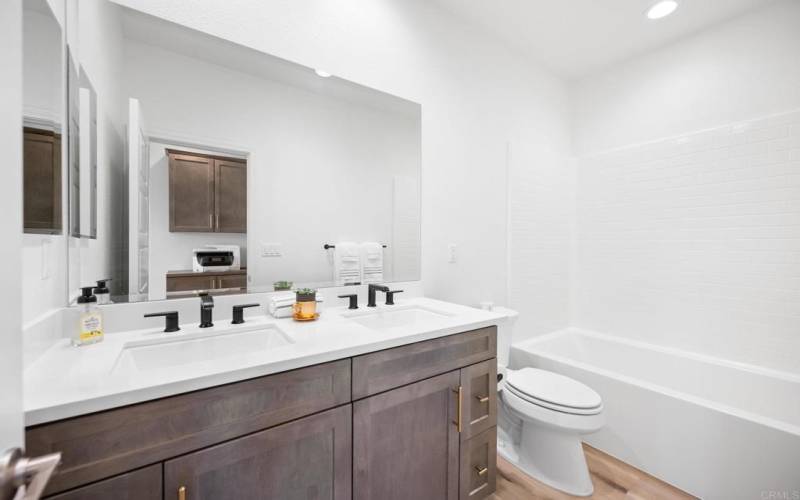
[200, 165]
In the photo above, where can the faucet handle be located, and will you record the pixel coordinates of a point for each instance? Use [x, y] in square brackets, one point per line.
[172, 320]
[238, 313]
[353, 300]
[390, 296]
[206, 299]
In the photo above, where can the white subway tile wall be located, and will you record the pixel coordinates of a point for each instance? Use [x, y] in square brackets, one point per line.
[694, 242]
[541, 212]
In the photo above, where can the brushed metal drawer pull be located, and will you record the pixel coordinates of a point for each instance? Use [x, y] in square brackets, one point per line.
[481, 470]
[182, 493]
[482, 399]
[458, 417]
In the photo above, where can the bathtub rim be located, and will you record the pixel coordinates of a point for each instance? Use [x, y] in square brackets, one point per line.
[528, 345]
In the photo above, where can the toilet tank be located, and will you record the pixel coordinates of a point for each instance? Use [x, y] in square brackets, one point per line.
[505, 329]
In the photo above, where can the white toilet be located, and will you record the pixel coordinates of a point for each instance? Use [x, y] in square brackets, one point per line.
[541, 418]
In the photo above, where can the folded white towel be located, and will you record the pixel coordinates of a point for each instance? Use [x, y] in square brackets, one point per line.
[280, 306]
[347, 263]
[371, 262]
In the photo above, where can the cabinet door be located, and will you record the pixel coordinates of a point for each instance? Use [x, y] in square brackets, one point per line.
[479, 390]
[231, 196]
[405, 442]
[307, 458]
[191, 193]
[232, 281]
[142, 484]
[191, 283]
[42, 182]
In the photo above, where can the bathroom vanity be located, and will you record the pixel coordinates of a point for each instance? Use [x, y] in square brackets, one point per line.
[417, 420]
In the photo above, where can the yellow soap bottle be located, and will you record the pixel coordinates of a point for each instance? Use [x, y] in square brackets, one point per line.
[90, 322]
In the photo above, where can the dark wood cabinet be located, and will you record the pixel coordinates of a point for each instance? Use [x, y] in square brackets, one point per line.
[111, 442]
[188, 281]
[406, 442]
[191, 283]
[141, 484]
[308, 458]
[41, 181]
[383, 370]
[425, 429]
[191, 193]
[231, 196]
[207, 194]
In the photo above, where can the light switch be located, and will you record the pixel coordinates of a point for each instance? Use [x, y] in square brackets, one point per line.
[451, 253]
[271, 250]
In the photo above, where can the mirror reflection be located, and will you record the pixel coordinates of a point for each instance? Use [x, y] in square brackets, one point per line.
[42, 112]
[203, 165]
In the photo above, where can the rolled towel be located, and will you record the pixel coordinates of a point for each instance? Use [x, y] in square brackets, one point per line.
[280, 306]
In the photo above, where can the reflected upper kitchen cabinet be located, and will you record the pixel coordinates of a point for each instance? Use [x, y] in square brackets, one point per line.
[42, 116]
[200, 165]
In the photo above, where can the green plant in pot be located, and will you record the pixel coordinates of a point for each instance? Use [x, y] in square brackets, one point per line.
[282, 285]
[305, 295]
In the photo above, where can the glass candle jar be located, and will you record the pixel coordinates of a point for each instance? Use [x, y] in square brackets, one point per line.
[305, 307]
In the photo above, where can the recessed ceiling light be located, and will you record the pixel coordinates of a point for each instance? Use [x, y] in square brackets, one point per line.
[322, 73]
[662, 9]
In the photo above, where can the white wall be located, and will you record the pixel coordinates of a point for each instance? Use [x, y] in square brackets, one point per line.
[691, 241]
[320, 169]
[476, 96]
[173, 251]
[11, 424]
[740, 70]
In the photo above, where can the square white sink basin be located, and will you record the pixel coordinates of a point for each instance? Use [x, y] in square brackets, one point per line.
[171, 351]
[403, 316]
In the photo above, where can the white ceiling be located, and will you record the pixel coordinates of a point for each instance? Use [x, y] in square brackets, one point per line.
[577, 37]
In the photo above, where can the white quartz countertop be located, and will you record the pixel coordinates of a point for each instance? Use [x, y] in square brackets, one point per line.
[67, 381]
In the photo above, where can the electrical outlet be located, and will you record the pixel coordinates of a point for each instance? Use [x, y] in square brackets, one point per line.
[45, 258]
[451, 253]
[271, 250]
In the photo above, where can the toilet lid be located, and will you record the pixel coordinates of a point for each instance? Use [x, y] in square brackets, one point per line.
[553, 388]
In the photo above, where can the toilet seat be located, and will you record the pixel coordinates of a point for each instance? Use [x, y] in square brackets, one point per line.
[554, 391]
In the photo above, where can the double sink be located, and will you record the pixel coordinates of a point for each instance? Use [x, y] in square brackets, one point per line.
[240, 341]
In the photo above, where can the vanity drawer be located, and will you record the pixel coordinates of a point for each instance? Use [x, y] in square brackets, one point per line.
[479, 466]
[479, 393]
[306, 458]
[384, 370]
[111, 442]
[142, 484]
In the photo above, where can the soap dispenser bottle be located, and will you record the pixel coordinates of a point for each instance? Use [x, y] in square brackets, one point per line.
[102, 293]
[90, 323]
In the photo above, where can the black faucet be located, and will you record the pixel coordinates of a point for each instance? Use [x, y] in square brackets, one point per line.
[390, 297]
[206, 309]
[238, 313]
[371, 289]
[171, 320]
[353, 300]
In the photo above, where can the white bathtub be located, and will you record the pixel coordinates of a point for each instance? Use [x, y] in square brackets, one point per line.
[716, 429]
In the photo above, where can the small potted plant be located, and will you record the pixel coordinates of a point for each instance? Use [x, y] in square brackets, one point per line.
[305, 305]
[279, 286]
[305, 295]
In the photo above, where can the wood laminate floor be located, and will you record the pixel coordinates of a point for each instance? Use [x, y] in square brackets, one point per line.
[612, 480]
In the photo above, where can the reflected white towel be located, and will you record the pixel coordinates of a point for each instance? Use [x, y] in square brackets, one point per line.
[371, 262]
[347, 263]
